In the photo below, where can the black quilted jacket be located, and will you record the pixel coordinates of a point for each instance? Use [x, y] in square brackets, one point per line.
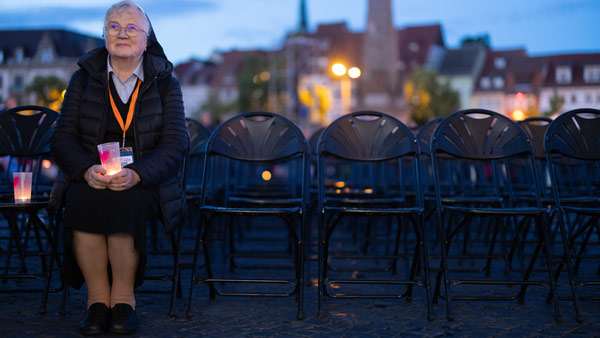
[161, 138]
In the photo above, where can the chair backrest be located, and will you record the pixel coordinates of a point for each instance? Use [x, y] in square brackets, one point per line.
[25, 137]
[313, 141]
[424, 135]
[575, 134]
[535, 128]
[482, 153]
[198, 134]
[26, 130]
[572, 146]
[257, 136]
[479, 134]
[256, 154]
[368, 154]
[367, 136]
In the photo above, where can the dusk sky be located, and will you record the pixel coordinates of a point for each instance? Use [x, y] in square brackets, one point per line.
[196, 28]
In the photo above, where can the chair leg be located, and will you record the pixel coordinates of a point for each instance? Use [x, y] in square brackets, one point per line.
[320, 267]
[543, 234]
[425, 255]
[175, 281]
[194, 266]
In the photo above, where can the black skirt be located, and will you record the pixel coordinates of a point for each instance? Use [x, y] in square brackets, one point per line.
[107, 212]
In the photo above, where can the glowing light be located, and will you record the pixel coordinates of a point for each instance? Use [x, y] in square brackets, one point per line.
[46, 164]
[265, 76]
[63, 93]
[340, 184]
[346, 190]
[354, 72]
[520, 96]
[518, 115]
[338, 69]
[338, 191]
[266, 175]
[368, 191]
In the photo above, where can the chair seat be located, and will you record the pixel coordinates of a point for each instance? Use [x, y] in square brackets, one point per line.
[251, 211]
[374, 211]
[583, 210]
[497, 211]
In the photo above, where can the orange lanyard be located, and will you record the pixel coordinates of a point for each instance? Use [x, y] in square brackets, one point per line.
[134, 97]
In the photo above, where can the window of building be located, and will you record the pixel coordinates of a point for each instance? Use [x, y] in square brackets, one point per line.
[1, 78]
[18, 83]
[563, 75]
[413, 47]
[46, 55]
[1, 57]
[500, 62]
[485, 83]
[591, 74]
[588, 98]
[498, 82]
[19, 54]
[574, 98]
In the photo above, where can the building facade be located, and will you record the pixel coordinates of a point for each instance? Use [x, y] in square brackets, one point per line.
[27, 54]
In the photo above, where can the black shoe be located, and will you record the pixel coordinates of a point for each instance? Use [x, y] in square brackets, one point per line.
[95, 321]
[123, 319]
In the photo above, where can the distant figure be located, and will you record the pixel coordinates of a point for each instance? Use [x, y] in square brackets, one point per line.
[10, 102]
[123, 92]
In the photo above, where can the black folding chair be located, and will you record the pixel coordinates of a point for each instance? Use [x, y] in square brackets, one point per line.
[24, 136]
[572, 146]
[255, 174]
[372, 162]
[483, 146]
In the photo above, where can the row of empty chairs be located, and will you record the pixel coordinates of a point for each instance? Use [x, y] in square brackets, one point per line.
[392, 210]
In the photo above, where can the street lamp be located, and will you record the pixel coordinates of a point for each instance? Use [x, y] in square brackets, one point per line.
[340, 71]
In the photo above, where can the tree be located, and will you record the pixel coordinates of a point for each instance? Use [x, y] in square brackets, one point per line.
[483, 39]
[253, 83]
[48, 91]
[556, 104]
[427, 98]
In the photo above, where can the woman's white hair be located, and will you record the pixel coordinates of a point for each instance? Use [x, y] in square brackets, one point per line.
[128, 4]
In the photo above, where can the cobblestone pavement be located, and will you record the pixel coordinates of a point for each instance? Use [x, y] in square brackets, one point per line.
[264, 316]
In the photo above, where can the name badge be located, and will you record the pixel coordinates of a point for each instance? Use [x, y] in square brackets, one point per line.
[126, 156]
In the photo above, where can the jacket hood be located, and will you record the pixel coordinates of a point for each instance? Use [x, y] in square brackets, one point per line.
[156, 63]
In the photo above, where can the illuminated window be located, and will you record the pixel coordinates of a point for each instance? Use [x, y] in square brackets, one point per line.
[19, 54]
[591, 74]
[563, 75]
[46, 55]
[18, 83]
[485, 83]
[500, 63]
[498, 82]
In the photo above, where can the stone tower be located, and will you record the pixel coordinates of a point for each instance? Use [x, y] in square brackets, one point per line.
[380, 54]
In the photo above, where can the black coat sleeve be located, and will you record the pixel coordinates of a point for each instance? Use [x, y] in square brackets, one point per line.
[65, 143]
[167, 158]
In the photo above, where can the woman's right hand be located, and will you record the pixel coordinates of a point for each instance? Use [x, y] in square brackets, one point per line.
[95, 177]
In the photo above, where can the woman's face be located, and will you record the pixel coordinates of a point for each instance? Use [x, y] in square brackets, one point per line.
[123, 46]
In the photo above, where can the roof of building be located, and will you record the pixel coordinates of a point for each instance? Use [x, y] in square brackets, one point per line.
[66, 43]
[461, 61]
[576, 62]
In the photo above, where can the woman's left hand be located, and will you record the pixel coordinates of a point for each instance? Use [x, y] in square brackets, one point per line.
[123, 180]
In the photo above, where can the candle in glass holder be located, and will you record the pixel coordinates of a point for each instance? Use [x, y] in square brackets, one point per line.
[110, 157]
[22, 186]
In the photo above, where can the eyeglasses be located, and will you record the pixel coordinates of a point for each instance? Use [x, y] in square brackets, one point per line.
[131, 30]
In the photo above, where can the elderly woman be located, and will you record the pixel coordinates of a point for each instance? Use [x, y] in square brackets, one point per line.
[123, 92]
